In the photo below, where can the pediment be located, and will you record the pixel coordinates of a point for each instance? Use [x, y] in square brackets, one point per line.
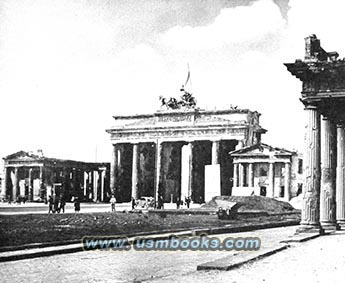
[261, 150]
[22, 155]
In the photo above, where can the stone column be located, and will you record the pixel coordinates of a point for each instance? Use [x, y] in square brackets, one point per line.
[340, 179]
[159, 148]
[92, 184]
[287, 181]
[235, 177]
[15, 184]
[74, 182]
[113, 168]
[271, 179]
[101, 176]
[98, 185]
[85, 176]
[135, 171]
[215, 152]
[241, 175]
[4, 185]
[310, 219]
[328, 166]
[250, 175]
[30, 185]
[42, 192]
[190, 175]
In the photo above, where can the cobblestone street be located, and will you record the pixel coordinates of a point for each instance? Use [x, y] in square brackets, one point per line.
[318, 260]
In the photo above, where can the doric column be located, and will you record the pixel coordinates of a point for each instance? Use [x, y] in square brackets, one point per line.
[241, 175]
[113, 166]
[287, 181]
[235, 177]
[101, 175]
[271, 179]
[85, 183]
[92, 174]
[42, 193]
[135, 171]
[159, 148]
[4, 185]
[250, 175]
[74, 181]
[190, 174]
[30, 185]
[328, 166]
[310, 218]
[15, 184]
[215, 152]
[98, 185]
[340, 183]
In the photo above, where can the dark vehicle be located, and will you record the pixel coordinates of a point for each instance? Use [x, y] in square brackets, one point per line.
[228, 213]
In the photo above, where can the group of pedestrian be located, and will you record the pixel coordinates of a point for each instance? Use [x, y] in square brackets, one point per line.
[56, 204]
[179, 202]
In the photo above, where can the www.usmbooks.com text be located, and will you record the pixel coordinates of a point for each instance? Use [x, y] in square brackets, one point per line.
[174, 243]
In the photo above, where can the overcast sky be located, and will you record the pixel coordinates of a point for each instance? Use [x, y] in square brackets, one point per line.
[67, 66]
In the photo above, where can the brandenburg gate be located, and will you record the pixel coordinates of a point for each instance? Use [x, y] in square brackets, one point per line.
[323, 95]
[165, 153]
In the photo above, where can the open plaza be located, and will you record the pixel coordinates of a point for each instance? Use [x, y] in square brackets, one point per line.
[184, 193]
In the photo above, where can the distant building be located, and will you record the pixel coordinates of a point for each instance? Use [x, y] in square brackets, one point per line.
[179, 153]
[268, 171]
[35, 177]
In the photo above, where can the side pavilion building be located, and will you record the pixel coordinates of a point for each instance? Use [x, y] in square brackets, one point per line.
[35, 177]
[165, 153]
[269, 171]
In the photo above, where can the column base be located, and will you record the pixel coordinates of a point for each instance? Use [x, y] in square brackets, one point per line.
[306, 228]
[329, 226]
[341, 224]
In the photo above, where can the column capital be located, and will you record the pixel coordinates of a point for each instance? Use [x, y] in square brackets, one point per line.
[310, 107]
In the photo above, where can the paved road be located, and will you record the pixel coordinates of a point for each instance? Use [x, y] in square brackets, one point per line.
[28, 208]
[133, 266]
[321, 260]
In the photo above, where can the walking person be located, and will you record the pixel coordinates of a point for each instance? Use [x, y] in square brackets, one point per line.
[160, 202]
[62, 204]
[76, 204]
[56, 204]
[187, 200]
[112, 203]
[133, 203]
[50, 203]
[178, 203]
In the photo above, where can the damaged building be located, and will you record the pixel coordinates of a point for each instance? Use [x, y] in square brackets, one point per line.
[34, 177]
[179, 153]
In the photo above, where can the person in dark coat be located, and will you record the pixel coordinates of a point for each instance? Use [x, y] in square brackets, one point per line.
[56, 204]
[62, 204]
[187, 201]
[133, 203]
[76, 204]
[178, 203]
[50, 203]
